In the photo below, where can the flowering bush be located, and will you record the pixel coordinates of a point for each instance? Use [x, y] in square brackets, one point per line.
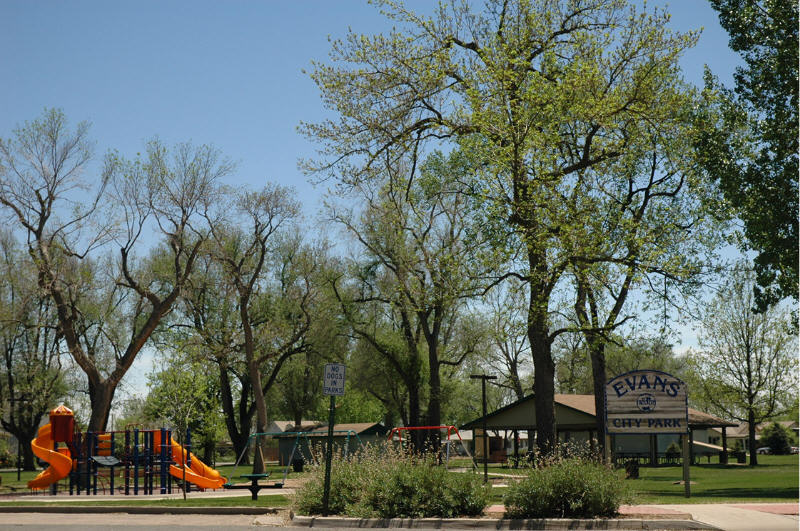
[384, 482]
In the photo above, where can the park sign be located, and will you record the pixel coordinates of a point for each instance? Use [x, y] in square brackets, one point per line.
[646, 401]
[333, 380]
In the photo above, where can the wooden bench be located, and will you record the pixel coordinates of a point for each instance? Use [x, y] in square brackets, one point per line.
[254, 486]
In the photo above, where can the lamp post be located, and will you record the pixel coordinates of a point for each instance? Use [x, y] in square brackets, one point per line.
[483, 378]
[21, 398]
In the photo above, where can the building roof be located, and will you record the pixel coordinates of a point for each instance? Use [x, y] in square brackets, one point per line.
[342, 430]
[566, 406]
[288, 425]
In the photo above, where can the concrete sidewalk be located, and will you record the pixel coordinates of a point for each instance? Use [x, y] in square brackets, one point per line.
[727, 516]
[742, 516]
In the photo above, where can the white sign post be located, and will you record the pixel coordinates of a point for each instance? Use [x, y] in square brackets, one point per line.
[333, 386]
[648, 401]
[333, 381]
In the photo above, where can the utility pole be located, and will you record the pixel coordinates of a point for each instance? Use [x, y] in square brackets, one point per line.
[483, 378]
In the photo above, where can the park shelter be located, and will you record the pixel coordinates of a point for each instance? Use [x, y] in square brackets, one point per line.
[575, 422]
[347, 438]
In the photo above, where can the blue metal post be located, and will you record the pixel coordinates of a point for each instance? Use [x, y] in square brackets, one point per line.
[163, 460]
[127, 462]
[136, 461]
[188, 461]
[169, 460]
[111, 453]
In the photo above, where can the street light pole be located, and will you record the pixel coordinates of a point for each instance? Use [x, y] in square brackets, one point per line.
[483, 378]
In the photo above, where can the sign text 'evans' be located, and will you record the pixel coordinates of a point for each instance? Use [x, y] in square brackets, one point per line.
[646, 401]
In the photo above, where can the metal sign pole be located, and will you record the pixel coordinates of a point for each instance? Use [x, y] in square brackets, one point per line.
[483, 378]
[686, 463]
[332, 385]
[329, 458]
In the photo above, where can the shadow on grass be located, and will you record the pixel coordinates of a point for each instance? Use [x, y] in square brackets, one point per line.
[744, 492]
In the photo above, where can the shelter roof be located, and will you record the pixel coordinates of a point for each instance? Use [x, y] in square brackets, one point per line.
[572, 412]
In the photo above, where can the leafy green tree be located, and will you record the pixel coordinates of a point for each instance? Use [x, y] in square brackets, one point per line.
[778, 438]
[207, 319]
[184, 394]
[544, 94]
[622, 354]
[746, 367]
[752, 149]
[31, 375]
[415, 235]
[651, 230]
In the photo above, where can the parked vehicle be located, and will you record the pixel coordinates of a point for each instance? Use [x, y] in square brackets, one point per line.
[794, 449]
[764, 450]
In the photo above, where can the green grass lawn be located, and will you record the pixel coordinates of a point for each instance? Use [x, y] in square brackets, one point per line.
[775, 479]
[9, 483]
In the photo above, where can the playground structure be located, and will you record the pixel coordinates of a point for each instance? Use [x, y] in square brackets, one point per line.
[398, 432]
[146, 457]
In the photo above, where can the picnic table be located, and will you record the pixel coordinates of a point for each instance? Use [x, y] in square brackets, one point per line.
[254, 485]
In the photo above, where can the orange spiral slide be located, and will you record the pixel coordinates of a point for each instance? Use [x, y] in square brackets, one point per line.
[60, 461]
[197, 472]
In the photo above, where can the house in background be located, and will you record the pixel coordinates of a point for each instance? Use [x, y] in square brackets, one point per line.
[282, 426]
[740, 433]
[346, 438]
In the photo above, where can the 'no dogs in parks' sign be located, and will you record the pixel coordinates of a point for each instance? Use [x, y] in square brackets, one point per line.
[646, 402]
[333, 381]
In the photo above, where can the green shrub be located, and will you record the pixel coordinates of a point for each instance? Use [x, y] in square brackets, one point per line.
[568, 488]
[673, 451]
[381, 482]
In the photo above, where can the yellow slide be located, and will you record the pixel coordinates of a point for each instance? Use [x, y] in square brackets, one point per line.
[198, 472]
[60, 463]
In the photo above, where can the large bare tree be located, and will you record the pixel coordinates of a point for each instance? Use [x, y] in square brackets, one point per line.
[71, 224]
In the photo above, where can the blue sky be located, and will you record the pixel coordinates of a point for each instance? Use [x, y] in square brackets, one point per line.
[225, 73]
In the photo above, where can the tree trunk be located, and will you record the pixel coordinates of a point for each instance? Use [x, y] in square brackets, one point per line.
[24, 438]
[261, 415]
[544, 370]
[415, 436]
[28, 461]
[101, 395]
[238, 434]
[209, 446]
[751, 434]
[543, 379]
[255, 382]
[597, 353]
[433, 437]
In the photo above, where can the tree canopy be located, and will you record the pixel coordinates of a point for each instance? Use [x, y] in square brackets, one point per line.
[753, 148]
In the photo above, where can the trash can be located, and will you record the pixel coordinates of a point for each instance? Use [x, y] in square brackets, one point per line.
[297, 465]
[62, 424]
[632, 469]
